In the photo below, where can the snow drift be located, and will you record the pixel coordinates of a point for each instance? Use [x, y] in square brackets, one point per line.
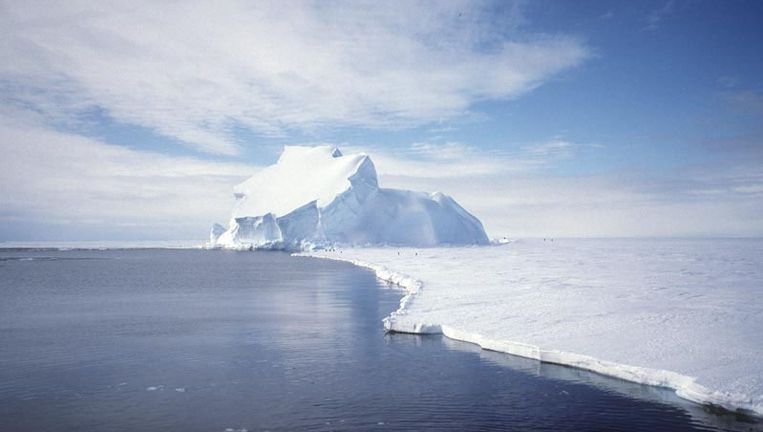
[317, 195]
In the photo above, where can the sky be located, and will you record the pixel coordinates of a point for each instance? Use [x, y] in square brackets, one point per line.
[134, 120]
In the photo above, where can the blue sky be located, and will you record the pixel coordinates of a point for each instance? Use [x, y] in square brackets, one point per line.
[549, 118]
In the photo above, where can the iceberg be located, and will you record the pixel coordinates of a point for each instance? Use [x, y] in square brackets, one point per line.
[318, 196]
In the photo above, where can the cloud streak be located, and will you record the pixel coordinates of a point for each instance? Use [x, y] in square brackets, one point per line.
[197, 71]
[656, 16]
[518, 193]
[62, 186]
[450, 159]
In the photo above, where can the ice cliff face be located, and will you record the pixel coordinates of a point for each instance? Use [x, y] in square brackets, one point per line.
[317, 195]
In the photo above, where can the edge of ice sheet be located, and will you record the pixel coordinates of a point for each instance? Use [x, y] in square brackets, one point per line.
[410, 285]
[685, 386]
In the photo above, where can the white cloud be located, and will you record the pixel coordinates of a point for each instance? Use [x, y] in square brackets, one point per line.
[88, 189]
[556, 148]
[753, 189]
[607, 205]
[75, 183]
[196, 70]
[517, 193]
[433, 159]
[450, 150]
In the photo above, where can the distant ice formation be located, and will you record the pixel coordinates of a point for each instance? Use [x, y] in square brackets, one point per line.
[316, 195]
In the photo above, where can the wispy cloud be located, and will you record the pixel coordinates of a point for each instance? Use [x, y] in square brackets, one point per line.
[747, 101]
[556, 148]
[656, 16]
[450, 159]
[519, 192]
[53, 178]
[728, 81]
[609, 204]
[196, 70]
[82, 187]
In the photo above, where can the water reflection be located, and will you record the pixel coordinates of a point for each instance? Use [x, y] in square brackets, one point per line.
[701, 415]
[205, 341]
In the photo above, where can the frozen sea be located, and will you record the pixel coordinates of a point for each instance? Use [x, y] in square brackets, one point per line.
[194, 340]
[683, 314]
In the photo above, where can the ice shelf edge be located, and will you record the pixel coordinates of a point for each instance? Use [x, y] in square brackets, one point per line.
[685, 386]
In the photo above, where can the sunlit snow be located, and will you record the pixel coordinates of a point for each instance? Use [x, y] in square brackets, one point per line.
[317, 195]
[684, 314]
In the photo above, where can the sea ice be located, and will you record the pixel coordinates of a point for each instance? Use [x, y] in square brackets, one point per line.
[684, 314]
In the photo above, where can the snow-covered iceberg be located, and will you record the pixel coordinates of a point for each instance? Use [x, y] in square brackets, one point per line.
[317, 195]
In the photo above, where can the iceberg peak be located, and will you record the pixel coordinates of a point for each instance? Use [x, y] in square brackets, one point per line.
[316, 195]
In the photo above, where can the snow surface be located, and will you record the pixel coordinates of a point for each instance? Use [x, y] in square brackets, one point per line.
[301, 175]
[317, 195]
[683, 314]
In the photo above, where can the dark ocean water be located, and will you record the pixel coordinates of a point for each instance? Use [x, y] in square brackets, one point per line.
[191, 340]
